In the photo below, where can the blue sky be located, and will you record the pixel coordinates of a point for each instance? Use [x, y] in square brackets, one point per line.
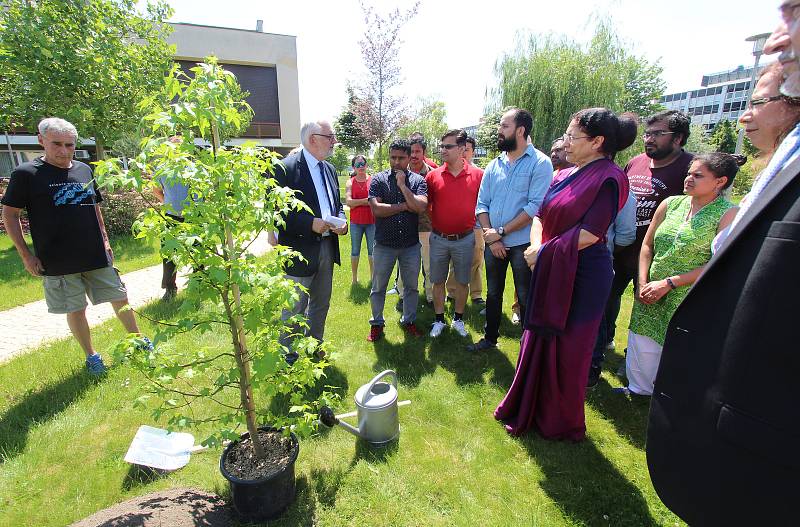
[450, 48]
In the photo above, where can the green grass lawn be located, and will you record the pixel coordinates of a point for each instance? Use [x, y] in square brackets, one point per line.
[63, 438]
[17, 287]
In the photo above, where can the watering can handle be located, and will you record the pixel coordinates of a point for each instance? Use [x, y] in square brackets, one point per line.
[375, 379]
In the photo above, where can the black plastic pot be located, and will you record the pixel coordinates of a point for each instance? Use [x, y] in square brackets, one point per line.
[262, 499]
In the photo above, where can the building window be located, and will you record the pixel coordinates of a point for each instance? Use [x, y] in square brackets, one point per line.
[6, 166]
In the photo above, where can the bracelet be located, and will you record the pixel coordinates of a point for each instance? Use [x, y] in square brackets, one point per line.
[671, 284]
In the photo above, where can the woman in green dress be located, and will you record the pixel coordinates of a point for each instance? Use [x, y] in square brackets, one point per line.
[675, 249]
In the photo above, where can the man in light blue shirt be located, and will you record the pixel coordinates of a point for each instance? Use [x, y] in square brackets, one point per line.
[173, 194]
[621, 233]
[512, 190]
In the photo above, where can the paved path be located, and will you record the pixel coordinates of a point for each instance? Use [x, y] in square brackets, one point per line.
[28, 326]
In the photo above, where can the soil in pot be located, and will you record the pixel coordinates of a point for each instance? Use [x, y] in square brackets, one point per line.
[243, 464]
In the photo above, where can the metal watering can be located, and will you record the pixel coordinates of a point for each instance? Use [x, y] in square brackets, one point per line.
[376, 404]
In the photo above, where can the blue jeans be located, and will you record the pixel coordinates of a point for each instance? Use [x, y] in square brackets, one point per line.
[496, 270]
[357, 230]
[408, 260]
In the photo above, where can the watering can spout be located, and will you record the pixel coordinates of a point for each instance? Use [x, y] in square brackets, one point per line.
[329, 419]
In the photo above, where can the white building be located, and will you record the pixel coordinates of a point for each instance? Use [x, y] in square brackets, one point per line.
[265, 65]
[722, 96]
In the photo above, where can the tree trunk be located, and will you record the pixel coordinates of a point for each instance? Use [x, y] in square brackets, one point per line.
[238, 335]
[100, 148]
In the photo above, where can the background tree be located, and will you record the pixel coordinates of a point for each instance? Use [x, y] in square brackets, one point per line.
[723, 137]
[430, 119]
[379, 110]
[699, 141]
[349, 131]
[88, 61]
[487, 131]
[553, 77]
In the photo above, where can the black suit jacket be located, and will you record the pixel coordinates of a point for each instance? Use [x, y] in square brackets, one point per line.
[723, 442]
[293, 172]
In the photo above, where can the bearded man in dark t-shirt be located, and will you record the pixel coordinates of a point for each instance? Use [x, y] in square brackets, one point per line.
[654, 176]
[71, 252]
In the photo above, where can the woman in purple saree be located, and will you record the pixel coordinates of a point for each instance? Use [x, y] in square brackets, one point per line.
[571, 280]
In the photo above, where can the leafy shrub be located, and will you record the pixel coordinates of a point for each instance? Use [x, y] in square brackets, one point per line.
[120, 210]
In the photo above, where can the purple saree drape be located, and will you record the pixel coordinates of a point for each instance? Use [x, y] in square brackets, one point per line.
[568, 292]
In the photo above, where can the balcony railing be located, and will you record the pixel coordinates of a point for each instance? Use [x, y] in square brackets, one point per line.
[263, 130]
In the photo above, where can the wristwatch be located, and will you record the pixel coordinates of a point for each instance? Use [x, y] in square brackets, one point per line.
[501, 231]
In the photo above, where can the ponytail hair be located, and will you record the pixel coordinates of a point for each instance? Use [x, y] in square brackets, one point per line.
[618, 133]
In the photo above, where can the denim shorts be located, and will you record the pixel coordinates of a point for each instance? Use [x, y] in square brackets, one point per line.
[459, 251]
[67, 293]
[357, 230]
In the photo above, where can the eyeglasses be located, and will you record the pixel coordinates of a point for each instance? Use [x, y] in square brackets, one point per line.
[763, 100]
[570, 137]
[790, 12]
[446, 147]
[330, 137]
[359, 164]
[656, 134]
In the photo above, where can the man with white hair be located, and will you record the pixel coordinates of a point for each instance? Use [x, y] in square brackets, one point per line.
[313, 234]
[723, 430]
[71, 251]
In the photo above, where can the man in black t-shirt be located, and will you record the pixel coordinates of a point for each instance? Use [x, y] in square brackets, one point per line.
[71, 251]
[654, 176]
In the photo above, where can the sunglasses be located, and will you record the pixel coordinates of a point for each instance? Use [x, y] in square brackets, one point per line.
[359, 164]
[446, 147]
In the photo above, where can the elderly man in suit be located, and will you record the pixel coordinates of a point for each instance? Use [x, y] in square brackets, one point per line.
[312, 234]
[724, 429]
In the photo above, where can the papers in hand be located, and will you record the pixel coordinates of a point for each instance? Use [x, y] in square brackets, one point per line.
[336, 221]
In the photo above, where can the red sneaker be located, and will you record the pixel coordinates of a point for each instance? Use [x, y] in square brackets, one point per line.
[412, 330]
[375, 333]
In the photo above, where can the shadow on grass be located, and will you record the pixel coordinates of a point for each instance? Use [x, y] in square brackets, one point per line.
[37, 408]
[406, 358]
[302, 511]
[468, 367]
[160, 310]
[328, 482]
[585, 485]
[628, 414]
[139, 476]
[359, 293]
[374, 453]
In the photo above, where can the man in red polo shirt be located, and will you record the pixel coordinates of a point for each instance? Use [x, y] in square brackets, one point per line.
[452, 195]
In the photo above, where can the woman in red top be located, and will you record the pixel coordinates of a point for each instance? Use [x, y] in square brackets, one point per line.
[362, 223]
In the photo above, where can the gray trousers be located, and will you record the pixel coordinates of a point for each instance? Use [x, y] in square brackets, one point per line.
[315, 301]
[408, 261]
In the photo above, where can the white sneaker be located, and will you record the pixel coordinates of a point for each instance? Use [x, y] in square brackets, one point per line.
[458, 326]
[392, 291]
[515, 319]
[437, 328]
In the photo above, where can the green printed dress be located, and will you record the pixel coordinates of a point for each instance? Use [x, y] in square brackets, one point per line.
[680, 245]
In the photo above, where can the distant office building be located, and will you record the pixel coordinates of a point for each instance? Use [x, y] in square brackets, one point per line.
[723, 96]
[265, 65]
